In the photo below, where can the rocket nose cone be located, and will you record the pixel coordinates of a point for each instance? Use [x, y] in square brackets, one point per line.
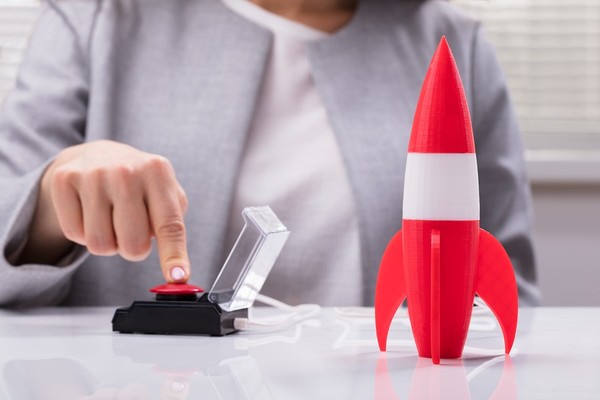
[442, 123]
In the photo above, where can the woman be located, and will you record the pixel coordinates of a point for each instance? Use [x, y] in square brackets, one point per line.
[129, 113]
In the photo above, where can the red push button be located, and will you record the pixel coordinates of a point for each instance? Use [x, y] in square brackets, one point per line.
[176, 289]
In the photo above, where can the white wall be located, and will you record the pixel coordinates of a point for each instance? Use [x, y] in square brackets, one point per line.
[567, 234]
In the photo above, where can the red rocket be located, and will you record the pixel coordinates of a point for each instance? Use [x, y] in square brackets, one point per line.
[441, 257]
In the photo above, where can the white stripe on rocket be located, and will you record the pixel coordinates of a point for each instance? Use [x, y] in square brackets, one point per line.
[441, 187]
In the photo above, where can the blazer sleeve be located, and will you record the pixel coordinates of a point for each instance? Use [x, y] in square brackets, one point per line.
[45, 113]
[506, 209]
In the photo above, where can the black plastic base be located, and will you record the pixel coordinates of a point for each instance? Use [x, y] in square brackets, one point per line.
[176, 316]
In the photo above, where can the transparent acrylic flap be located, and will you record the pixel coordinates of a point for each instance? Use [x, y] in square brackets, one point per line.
[251, 259]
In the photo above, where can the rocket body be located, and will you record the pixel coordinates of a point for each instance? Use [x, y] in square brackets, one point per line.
[441, 193]
[456, 292]
[441, 257]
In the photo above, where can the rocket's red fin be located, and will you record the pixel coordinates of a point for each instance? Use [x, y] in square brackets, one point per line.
[496, 285]
[435, 296]
[390, 291]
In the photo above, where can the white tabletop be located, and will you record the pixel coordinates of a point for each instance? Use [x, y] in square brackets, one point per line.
[72, 353]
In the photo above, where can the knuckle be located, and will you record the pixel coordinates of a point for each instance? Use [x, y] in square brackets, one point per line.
[98, 174]
[160, 164]
[93, 178]
[63, 177]
[124, 173]
[124, 178]
[172, 228]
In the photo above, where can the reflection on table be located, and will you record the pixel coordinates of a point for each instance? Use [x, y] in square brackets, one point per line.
[73, 354]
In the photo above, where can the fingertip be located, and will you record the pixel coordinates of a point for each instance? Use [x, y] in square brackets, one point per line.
[178, 274]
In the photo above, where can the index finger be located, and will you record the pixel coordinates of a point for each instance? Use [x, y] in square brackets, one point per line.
[166, 218]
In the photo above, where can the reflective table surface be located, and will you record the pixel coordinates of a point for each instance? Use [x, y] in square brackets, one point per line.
[71, 353]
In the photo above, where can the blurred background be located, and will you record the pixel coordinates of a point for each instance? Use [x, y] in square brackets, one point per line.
[550, 52]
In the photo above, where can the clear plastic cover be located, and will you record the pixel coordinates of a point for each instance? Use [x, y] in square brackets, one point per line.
[251, 259]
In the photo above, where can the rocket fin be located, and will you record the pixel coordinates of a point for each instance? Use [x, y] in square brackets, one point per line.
[390, 291]
[435, 296]
[496, 285]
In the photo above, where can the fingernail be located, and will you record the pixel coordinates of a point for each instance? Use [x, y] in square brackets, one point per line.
[177, 273]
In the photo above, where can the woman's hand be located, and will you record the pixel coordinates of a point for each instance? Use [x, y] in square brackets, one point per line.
[111, 198]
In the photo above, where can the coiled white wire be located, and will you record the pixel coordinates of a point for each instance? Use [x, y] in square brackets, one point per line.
[293, 315]
[480, 321]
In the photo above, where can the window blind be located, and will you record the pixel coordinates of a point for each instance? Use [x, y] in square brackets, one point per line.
[16, 20]
[550, 52]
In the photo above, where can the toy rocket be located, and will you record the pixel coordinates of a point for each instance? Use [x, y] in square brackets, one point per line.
[441, 258]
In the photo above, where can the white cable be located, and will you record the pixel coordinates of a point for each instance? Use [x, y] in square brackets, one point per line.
[473, 374]
[480, 351]
[481, 320]
[295, 314]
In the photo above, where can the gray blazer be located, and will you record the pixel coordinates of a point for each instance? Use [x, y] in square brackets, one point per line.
[180, 78]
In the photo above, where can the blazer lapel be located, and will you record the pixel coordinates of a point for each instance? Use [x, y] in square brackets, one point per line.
[370, 104]
[229, 75]
[207, 63]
